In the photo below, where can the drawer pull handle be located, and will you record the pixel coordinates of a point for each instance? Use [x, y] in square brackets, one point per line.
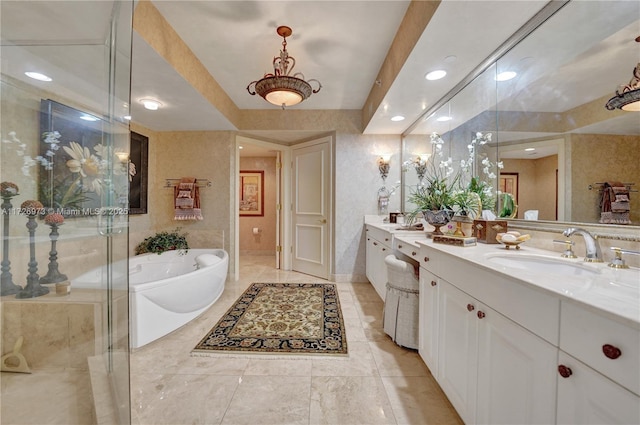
[413, 253]
[433, 283]
[481, 315]
[564, 371]
[470, 307]
[611, 352]
[386, 239]
[384, 249]
[375, 244]
[399, 246]
[426, 259]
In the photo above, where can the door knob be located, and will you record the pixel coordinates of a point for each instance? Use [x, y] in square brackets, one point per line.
[323, 221]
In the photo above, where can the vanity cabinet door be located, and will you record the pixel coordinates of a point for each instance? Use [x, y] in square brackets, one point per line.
[516, 373]
[458, 348]
[587, 397]
[428, 320]
[376, 267]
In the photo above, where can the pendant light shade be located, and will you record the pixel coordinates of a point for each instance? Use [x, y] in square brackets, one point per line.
[281, 88]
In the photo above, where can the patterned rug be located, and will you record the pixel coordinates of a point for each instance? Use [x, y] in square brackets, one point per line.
[280, 318]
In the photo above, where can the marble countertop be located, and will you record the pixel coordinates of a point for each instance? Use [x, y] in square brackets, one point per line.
[614, 292]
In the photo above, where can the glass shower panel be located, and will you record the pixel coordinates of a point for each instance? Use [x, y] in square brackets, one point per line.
[65, 173]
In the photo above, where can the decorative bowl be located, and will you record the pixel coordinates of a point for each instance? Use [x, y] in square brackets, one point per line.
[511, 242]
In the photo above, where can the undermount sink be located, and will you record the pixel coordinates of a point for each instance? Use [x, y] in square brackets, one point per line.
[542, 264]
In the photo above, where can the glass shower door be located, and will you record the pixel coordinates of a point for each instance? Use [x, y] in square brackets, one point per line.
[64, 306]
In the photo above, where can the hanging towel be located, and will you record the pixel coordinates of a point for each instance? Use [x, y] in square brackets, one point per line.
[187, 200]
[614, 203]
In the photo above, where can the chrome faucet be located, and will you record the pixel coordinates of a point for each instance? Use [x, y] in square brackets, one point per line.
[594, 254]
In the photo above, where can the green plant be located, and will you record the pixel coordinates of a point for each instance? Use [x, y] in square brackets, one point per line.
[509, 208]
[164, 241]
[466, 203]
[484, 191]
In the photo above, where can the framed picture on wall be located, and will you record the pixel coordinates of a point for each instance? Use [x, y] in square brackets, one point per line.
[509, 184]
[251, 193]
[138, 173]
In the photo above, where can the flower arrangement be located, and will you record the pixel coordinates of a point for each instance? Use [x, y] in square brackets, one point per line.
[437, 181]
[8, 189]
[481, 185]
[164, 241]
[54, 219]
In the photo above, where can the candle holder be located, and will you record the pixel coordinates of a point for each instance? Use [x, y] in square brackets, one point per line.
[33, 288]
[8, 190]
[54, 220]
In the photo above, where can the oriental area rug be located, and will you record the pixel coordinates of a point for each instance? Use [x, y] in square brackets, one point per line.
[280, 318]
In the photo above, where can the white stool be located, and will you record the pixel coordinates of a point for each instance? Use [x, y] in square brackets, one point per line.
[400, 318]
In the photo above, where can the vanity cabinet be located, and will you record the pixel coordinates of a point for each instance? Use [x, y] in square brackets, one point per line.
[599, 377]
[492, 369]
[378, 246]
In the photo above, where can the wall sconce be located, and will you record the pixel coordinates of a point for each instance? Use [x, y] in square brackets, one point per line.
[123, 156]
[383, 166]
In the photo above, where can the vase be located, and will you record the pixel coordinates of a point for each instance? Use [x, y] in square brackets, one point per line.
[437, 218]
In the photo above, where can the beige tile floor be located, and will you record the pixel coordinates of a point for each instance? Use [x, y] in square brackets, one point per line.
[378, 383]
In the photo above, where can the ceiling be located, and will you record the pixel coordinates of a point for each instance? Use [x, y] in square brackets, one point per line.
[342, 43]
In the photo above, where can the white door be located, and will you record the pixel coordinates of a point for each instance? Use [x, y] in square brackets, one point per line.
[311, 199]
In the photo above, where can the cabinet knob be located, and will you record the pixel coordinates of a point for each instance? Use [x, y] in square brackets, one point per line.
[611, 352]
[413, 253]
[375, 244]
[564, 371]
[426, 259]
[433, 283]
[399, 246]
[384, 249]
[481, 314]
[386, 239]
[470, 307]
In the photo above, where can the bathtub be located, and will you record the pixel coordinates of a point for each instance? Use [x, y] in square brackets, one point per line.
[167, 291]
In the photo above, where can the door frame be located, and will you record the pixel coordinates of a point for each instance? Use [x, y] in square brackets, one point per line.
[284, 201]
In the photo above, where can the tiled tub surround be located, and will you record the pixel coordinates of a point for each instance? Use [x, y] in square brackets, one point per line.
[61, 332]
[562, 321]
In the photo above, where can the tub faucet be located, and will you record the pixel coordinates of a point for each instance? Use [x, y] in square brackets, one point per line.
[594, 255]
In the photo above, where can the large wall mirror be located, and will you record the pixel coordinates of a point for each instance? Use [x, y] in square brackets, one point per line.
[548, 126]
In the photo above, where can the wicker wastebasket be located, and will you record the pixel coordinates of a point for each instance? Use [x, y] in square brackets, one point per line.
[400, 319]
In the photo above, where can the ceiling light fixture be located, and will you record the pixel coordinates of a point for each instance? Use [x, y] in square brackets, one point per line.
[38, 76]
[506, 76]
[436, 75]
[151, 104]
[443, 119]
[629, 98]
[87, 117]
[281, 88]
[397, 118]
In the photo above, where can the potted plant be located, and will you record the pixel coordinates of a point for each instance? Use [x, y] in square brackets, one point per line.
[164, 241]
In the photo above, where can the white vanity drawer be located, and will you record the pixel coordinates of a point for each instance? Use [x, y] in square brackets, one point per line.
[379, 234]
[410, 250]
[610, 347]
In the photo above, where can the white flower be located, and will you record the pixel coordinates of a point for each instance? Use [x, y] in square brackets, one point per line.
[87, 165]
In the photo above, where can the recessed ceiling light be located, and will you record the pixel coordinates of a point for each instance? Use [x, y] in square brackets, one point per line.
[151, 104]
[436, 75]
[505, 76]
[127, 117]
[450, 59]
[442, 119]
[38, 76]
[529, 149]
[397, 118]
[240, 147]
[88, 117]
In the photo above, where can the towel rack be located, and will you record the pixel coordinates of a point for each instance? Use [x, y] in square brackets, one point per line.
[627, 185]
[199, 182]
